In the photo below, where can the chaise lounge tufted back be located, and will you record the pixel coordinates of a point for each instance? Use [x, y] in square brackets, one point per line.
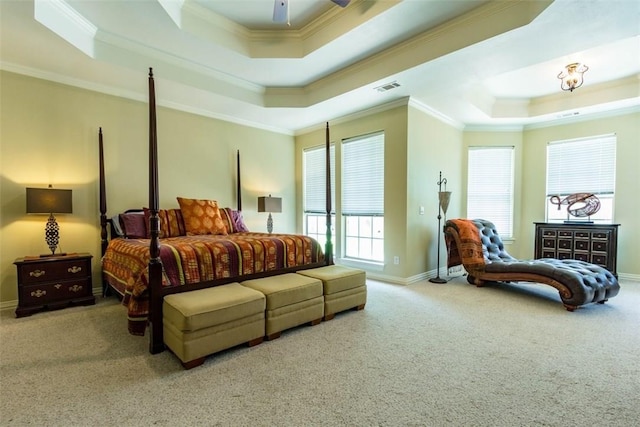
[492, 245]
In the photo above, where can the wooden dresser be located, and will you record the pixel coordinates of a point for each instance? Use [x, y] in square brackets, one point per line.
[594, 243]
[53, 282]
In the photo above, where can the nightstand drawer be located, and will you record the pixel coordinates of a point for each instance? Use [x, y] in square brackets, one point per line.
[45, 293]
[38, 272]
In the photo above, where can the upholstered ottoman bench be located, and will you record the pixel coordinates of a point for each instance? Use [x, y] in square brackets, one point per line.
[343, 288]
[203, 322]
[292, 300]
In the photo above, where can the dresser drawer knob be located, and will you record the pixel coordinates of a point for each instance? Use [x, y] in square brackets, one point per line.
[75, 288]
[38, 293]
[36, 273]
[75, 269]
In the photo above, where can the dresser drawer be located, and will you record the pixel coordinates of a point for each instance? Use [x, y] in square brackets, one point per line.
[594, 243]
[39, 272]
[45, 293]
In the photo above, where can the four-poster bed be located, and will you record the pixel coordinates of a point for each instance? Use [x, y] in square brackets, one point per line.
[177, 264]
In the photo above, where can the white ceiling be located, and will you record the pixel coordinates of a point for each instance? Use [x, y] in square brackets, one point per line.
[472, 63]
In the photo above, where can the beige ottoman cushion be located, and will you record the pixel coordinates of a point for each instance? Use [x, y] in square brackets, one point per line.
[202, 322]
[292, 300]
[344, 287]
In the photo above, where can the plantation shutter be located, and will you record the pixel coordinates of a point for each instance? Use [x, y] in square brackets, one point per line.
[490, 187]
[315, 179]
[586, 165]
[363, 175]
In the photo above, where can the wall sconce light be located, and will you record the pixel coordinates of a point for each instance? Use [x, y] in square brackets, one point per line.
[270, 204]
[571, 76]
[49, 201]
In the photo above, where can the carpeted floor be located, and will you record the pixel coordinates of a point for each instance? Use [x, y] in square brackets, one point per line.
[419, 355]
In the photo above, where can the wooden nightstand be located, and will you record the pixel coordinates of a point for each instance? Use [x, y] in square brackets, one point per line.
[53, 282]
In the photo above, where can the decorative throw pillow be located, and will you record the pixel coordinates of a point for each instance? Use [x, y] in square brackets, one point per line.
[225, 214]
[171, 222]
[201, 216]
[233, 220]
[238, 222]
[133, 225]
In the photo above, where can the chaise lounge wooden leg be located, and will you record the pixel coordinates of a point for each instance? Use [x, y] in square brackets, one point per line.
[193, 363]
[603, 301]
[315, 322]
[329, 316]
[570, 307]
[360, 307]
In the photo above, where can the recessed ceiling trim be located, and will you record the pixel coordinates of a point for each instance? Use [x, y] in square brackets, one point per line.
[66, 22]
[481, 23]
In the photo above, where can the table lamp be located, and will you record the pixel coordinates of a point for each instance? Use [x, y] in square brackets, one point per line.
[49, 201]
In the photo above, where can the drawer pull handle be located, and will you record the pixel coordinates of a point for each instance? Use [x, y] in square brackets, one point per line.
[38, 293]
[75, 288]
[57, 286]
[36, 273]
[75, 269]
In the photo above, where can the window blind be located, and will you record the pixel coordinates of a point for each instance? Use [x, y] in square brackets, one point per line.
[490, 186]
[586, 165]
[315, 179]
[363, 175]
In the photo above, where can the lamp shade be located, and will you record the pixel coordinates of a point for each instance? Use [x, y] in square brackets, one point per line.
[444, 198]
[270, 204]
[48, 201]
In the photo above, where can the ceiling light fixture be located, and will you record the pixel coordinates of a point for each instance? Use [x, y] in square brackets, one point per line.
[571, 76]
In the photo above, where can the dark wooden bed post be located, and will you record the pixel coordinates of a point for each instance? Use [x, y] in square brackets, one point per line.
[328, 249]
[156, 343]
[238, 191]
[103, 200]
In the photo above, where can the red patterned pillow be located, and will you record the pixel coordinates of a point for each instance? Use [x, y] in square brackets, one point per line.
[171, 222]
[201, 216]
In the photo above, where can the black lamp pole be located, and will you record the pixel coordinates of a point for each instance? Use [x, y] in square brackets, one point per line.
[438, 279]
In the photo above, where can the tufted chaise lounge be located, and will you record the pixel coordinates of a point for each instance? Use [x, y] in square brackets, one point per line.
[477, 246]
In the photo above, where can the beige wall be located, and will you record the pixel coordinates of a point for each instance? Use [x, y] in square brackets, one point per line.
[530, 185]
[434, 147]
[48, 135]
[417, 147]
[394, 124]
[627, 202]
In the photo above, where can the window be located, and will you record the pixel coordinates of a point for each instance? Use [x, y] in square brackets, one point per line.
[363, 197]
[490, 187]
[314, 188]
[586, 165]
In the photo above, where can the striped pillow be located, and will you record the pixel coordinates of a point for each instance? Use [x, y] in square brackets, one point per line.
[171, 222]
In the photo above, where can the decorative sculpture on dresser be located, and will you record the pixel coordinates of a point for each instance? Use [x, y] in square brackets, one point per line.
[580, 205]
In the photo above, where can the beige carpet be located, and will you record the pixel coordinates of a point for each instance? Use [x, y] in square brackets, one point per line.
[419, 355]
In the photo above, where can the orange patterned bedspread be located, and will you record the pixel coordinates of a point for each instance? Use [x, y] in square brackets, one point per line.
[193, 259]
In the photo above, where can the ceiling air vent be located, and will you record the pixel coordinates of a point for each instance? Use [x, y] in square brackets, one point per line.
[387, 86]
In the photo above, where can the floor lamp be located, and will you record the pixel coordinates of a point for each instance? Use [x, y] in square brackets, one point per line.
[443, 204]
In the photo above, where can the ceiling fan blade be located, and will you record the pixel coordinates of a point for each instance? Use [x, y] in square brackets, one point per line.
[281, 11]
[341, 3]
